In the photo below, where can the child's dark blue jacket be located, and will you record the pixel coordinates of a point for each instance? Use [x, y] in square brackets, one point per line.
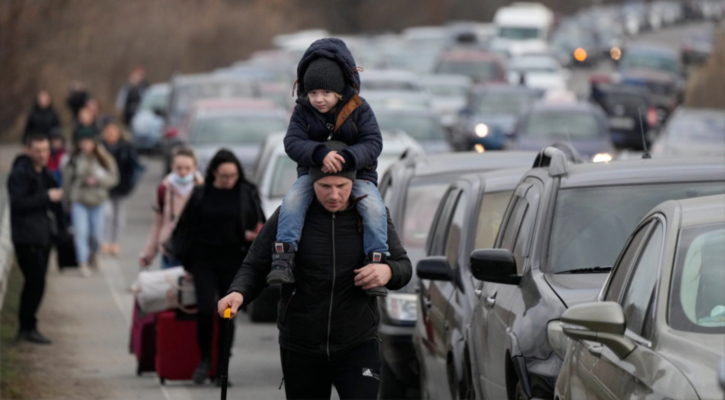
[355, 122]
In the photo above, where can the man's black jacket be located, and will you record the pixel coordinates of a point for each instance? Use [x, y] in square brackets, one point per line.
[30, 206]
[323, 312]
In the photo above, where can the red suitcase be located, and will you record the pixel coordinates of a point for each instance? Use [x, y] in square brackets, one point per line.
[177, 352]
[143, 340]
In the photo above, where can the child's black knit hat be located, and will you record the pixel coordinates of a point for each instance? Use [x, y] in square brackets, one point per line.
[324, 74]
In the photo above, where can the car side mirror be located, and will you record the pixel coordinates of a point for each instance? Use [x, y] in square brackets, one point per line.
[601, 322]
[434, 268]
[495, 265]
[160, 112]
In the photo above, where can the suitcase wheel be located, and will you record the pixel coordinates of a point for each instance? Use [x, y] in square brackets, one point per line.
[138, 370]
[162, 380]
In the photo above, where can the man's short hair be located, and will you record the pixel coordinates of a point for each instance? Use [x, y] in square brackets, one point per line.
[35, 137]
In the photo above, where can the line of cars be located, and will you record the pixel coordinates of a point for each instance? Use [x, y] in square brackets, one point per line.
[509, 251]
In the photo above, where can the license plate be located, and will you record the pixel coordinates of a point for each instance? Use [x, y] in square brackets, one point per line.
[621, 123]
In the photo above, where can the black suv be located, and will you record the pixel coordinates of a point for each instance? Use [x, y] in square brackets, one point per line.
[562, 231]
[412, 189]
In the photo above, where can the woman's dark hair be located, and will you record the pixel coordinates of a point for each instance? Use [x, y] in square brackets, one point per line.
[223, 156]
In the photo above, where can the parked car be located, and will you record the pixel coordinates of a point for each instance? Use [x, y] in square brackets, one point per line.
[468, 217]
[490, 115]
[561, 233]
[398, 100]
[653, 59]
[633, 118]
[665, 90]
[448, 95]
[479, 65]
[412, 189]
[148, 122]
[658, 326]
[692, 132]
[538, 72]
[696, 48]
[241, 125]
[188, 89]
[397, 80]
[580, 124]
[423, 126]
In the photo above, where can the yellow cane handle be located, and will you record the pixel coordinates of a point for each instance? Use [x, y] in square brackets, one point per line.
[228, 313]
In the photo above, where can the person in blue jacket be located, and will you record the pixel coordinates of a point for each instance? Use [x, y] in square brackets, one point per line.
[329, 108]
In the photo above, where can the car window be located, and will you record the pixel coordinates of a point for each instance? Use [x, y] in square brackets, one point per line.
[455, 230]
[421, 204]
[591, 224]
[525, 231]
[490, 217]
[503, 103]
[641, 285]
[234, 129]
[697, 303]
[626, 261]
[283, 176]
[440, 228]
[564, 125]
[422, 128]
[513, 223]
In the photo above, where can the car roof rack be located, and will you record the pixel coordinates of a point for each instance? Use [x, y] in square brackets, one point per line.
[557, 158]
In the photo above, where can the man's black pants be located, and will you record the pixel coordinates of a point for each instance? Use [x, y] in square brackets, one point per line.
[33, 262]
[355, 374]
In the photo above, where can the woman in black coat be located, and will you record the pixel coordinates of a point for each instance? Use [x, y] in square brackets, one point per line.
[217, 226]
[43, 118]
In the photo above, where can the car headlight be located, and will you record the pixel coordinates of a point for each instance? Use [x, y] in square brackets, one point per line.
[481, 130]
[557, 339]
[602, 157]
[402, 307]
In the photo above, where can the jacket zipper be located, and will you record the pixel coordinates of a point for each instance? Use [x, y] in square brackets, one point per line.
[284, 313]
[332, 292]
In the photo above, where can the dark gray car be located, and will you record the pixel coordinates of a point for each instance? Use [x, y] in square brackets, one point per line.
[412, 189]
[468, 217]
[659, 325]
[562, 232]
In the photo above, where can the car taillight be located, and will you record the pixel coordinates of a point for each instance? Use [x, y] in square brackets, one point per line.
[171, 132]
[652, 117]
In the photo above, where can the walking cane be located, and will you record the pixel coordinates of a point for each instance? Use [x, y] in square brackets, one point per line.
[224, 373]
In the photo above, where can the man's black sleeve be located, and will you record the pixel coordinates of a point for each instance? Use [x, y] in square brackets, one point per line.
[21, 199]
[251, 278]
[398, 261]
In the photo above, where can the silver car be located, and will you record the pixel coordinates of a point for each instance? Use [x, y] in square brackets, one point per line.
[658, 329]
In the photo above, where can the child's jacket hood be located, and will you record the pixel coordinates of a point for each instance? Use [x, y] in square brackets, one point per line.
[334, 49]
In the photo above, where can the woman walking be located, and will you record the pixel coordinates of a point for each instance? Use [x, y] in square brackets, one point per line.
[126, 161]
[171, 197]
[43, 118]
[218, 224]
[88, 177]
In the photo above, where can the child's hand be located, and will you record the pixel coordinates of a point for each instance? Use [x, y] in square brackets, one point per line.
[332, 163]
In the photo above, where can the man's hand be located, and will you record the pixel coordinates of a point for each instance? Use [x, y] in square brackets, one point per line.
[143, 262]
[373, 275]
[332, 163]
[55, 195]
[233, 300]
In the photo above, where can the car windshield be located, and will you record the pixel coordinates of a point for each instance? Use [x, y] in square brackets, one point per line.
[636, 60]
[185, 95]
[284, 174]
[234, 129]
[698, 129]
[503, 103]
[563, 125]
[419, 127]
[447, 90]
[517, 33]
[481, 71]
[155, 99]
[697, 303]
[627, 100]
[403, 86]
[421, 204]
[591, 224]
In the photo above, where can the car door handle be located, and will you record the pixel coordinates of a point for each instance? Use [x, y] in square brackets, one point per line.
[491, 300]
[595, 349]
[478, 292]
[427, 303]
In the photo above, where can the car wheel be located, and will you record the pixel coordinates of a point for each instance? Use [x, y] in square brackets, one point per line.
[390, 387]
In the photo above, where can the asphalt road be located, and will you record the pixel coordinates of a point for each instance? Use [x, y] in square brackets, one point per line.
[104, 302]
